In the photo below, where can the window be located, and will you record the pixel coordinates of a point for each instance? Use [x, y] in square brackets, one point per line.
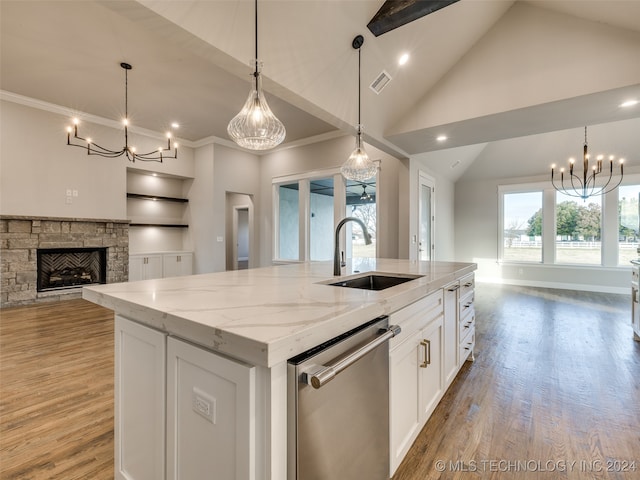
[628, 223]
[361, 203]
[578, 230]
[321, 228]
[288, 230]
[522, 227]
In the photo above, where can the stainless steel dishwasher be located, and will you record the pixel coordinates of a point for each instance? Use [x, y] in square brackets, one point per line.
[338, 425]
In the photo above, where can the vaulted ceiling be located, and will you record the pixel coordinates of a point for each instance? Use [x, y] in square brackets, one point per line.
[479, 70]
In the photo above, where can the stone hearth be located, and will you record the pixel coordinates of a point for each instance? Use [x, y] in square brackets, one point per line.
[21, 237]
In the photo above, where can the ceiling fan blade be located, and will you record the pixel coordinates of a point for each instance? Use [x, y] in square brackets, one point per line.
[395, 13]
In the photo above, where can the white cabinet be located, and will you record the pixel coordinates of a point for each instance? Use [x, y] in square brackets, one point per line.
[450, 332]
[181, 412]
[177, 264]
[140, 355]
[466, 320]
[210, 415]
[415, 372]
[147, 266]
[635, 299]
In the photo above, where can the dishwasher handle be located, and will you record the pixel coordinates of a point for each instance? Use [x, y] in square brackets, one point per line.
[328, 372]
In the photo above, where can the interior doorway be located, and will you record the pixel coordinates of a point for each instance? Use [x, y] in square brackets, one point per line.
[239, 231]
[241, 240]
[426, 195]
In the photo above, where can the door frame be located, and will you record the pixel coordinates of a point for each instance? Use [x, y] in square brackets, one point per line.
[234, 234]
[428, 181]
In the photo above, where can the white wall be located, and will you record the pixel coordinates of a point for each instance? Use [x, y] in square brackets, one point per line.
[37, 167]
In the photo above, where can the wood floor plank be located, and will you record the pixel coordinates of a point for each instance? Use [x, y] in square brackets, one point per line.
[556, 380]
[56, 392]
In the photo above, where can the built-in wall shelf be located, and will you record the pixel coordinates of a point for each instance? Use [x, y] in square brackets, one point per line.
[142, 196]
[158, 211]
[168, 225]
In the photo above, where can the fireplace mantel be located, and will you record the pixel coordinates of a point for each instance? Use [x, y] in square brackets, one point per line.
[22, 236]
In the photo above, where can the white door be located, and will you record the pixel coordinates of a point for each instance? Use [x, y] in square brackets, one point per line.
[426, 191]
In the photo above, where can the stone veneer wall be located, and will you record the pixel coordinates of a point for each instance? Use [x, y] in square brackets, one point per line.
[20, 237]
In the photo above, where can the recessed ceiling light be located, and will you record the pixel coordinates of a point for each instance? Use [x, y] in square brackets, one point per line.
[175, 125]
[404, 58]
[629, 103]
[441, 138]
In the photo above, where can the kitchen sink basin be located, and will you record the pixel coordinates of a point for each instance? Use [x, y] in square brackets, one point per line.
[374, 281]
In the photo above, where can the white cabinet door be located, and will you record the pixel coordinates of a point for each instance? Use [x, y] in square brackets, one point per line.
[136, 268]
[404, 406]
[139, 401]
[210, 415]
[177, 264]
[153, 267]
[430, 367]
[145, 267]
[450, 333]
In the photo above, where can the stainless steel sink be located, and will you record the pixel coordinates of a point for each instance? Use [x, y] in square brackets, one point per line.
[374, 281]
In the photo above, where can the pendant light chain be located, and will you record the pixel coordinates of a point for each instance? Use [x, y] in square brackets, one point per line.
[255, 73]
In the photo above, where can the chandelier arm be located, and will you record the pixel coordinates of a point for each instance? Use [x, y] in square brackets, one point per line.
[582, 186]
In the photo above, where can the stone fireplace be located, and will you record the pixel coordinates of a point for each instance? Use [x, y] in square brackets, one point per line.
[49, 259]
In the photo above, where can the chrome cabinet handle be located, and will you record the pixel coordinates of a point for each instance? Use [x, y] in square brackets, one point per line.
[427, 353]
[454, 288]
[468, 284]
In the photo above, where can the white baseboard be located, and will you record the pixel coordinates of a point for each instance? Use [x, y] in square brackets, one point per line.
[557, 285]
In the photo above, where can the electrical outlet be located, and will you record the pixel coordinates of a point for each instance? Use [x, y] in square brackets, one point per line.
[220, 239]
[75, 193]
[68, 192]
[203, 405]
[69, 200]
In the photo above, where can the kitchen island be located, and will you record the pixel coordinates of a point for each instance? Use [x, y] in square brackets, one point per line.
[243, 326]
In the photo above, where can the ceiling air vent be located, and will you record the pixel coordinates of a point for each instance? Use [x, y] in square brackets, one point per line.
[380, 82]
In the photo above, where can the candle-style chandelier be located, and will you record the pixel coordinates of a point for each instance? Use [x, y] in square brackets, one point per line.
[586, 186]
[129, 151]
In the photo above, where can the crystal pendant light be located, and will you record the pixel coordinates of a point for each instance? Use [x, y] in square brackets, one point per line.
[256, 127]
[358, 166]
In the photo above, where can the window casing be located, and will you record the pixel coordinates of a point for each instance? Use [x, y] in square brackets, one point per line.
[306, 209]
[605, 233]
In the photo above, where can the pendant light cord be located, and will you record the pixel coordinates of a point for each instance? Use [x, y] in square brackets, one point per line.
[359, 82]
[255, 74]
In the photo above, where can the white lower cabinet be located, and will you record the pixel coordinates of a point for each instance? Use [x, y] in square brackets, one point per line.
[210, 415]
[415, 372]
[181, 412]
[147, 266]
[177, 264]
[140, 357]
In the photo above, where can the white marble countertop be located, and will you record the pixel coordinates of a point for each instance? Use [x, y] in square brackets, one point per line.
[266, 315]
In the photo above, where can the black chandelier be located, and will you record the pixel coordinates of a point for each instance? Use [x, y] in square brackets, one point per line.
[586, 186]
[93, 148]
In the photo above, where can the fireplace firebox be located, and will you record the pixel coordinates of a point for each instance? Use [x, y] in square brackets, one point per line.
[63, 268]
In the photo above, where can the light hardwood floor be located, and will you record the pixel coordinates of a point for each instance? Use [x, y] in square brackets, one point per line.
[556, 380]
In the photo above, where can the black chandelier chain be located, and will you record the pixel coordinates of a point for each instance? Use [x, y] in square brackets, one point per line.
[93, 148]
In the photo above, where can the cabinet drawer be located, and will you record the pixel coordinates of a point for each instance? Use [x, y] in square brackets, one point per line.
[467, 285]
[467, 345]
[416, 316]
[465, 305]
[467, 324]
